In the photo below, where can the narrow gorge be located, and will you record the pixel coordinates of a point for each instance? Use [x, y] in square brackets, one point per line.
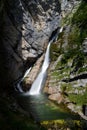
[31, 31]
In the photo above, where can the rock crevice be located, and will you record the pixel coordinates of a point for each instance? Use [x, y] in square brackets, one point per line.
[26, 27]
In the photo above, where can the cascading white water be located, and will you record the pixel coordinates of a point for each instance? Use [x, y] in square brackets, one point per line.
[61, 29]
[38, 83]
[18, 85]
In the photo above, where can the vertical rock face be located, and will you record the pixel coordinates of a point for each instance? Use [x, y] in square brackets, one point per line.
[67, 6]
[67, 75]
[35, 20]
[25, 30]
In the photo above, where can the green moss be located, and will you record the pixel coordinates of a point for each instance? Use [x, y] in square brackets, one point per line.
[63, 124]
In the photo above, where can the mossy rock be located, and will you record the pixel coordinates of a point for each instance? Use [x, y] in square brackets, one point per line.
[73, 62]
[64, 124]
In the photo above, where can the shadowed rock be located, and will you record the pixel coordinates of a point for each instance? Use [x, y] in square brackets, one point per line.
[25, 29]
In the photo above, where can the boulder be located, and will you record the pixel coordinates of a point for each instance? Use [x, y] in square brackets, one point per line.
[56, 97]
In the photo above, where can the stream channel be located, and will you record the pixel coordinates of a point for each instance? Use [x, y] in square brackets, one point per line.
[36, 102]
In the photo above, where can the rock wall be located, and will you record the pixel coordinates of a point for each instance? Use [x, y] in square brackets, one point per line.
[26, 27]
[25, 30]
[67, 77]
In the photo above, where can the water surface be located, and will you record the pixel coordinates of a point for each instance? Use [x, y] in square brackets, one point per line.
[43, 109]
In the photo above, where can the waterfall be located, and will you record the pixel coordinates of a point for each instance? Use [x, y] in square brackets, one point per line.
[18, 87]
[61, 29]
[38, 83]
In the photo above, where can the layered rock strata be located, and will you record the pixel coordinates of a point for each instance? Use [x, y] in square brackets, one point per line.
[67, 75]
[26, 28]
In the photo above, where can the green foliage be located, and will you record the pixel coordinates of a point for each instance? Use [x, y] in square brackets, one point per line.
[54, 52]
[79, 99]
[73, 60]
[80, 20]
[80, 17]
[74, 37]
[67, 55]
[82, 69]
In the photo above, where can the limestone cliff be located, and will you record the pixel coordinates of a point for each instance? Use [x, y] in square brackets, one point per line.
[25, 29]
[67, 79]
